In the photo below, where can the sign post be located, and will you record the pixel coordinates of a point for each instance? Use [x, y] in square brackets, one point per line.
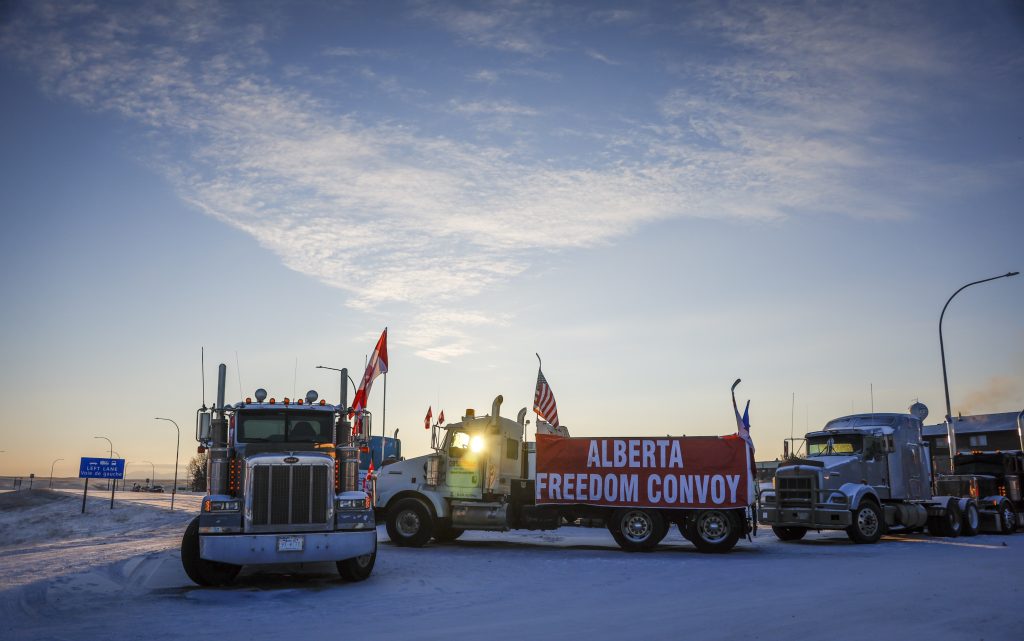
[100, 468]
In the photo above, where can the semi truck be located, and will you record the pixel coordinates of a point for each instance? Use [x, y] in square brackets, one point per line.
[484, 475]
[871, 473]
[282, 487]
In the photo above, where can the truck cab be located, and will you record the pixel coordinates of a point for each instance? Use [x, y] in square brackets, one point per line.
[282, 483]
[863, 473]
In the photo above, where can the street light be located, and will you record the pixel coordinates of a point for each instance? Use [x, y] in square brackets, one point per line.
[174, 488]
[950, 432]
[344, 374]
[152, 476]
[51, 471]
[111, 453]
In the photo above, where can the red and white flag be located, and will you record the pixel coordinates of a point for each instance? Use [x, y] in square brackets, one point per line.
[440, 418]
[377, 365]
[430, 414]
[544, 400]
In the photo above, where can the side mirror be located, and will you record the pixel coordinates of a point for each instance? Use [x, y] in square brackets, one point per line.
[204, 427]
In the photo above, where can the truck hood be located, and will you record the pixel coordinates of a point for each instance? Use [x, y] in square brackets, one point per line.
[402, 473]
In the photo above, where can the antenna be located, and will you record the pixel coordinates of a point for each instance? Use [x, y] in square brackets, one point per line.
[202, 371]
[238, 375]
[872, 397]
[295, 376]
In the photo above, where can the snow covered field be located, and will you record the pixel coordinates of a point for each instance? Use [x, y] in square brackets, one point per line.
[116, 574]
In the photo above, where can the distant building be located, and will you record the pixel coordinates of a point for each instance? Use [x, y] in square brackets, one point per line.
[988, 432]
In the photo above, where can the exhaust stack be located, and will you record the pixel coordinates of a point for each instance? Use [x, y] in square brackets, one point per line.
[217, 473]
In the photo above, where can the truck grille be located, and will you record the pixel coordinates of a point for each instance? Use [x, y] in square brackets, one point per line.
[794, 489]
[290, 495]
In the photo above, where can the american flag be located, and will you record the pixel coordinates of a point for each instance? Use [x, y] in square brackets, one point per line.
[544, 400]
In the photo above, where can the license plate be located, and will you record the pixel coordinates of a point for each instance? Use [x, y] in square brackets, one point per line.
[290, 543]
[801, 515]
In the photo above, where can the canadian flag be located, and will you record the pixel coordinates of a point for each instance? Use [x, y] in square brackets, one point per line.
[440, 418]
[430, 414]
[377, 365]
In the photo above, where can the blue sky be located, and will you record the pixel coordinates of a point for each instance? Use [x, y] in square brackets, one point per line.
[657, 197]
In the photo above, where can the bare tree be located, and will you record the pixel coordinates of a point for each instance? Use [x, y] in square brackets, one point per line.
[197, 472]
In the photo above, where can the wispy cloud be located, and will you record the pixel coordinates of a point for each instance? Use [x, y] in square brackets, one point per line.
[600, 57]
[398, 216]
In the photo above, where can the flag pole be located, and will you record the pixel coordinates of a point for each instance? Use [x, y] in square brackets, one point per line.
[384, 420]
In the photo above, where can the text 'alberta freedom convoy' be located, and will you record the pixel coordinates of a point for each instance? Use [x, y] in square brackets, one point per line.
[658, 481]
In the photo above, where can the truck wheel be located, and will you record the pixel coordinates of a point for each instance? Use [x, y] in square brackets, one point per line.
[360, 567]
[636, 530]
[203, 572]
[715, 531]
[445, 533]
[1007, 517]
[948, 523]
[970, 523]
[409, 523]
[789, 533]
[867, 523]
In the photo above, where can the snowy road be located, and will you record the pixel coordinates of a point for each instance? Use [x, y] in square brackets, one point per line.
[117, 574]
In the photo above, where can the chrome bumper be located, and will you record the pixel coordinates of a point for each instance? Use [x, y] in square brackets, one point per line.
[813, 517]
[245, 549]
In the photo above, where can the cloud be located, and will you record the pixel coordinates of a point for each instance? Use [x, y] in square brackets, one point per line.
[600, 57]
[492, 107]
[399, 216]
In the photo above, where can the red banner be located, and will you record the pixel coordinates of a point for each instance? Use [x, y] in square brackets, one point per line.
[686, 472]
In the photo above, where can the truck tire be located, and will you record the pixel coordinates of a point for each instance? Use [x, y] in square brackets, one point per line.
[409, 523]
[203, 572]
[947, 524]
[1007, 517]
[867, 525]
[789, 533]
[445, 533]
[970, 523]
[715, 531]
[637, 530]
[358, 568]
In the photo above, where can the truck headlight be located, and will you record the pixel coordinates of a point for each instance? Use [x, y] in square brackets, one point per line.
[836, 497]
[354, 504]
[210, 505]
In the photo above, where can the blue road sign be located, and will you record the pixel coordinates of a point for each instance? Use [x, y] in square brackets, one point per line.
[101, 468]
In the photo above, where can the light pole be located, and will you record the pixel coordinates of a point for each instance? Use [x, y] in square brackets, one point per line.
[950, 432]
[152, 476]
[51, 471]
[174, 487]
[111, 453]
[344, 374]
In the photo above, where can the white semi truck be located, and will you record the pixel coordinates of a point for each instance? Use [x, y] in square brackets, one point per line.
[282, 487]
[871, 473]
[483, 475]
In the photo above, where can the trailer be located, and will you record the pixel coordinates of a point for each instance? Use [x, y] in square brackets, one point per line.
[484, 475]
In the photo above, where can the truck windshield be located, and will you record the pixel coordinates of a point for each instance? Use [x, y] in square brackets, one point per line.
[285, 427]
[835, 445]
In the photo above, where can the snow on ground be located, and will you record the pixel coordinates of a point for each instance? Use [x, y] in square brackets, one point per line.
[117, 574]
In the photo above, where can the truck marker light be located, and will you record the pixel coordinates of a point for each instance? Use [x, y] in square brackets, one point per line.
[248, 400]
[271, 400]
[298, 402]
[323, 402]
[286, 401]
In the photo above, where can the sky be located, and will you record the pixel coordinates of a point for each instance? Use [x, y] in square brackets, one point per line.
[656, 197]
